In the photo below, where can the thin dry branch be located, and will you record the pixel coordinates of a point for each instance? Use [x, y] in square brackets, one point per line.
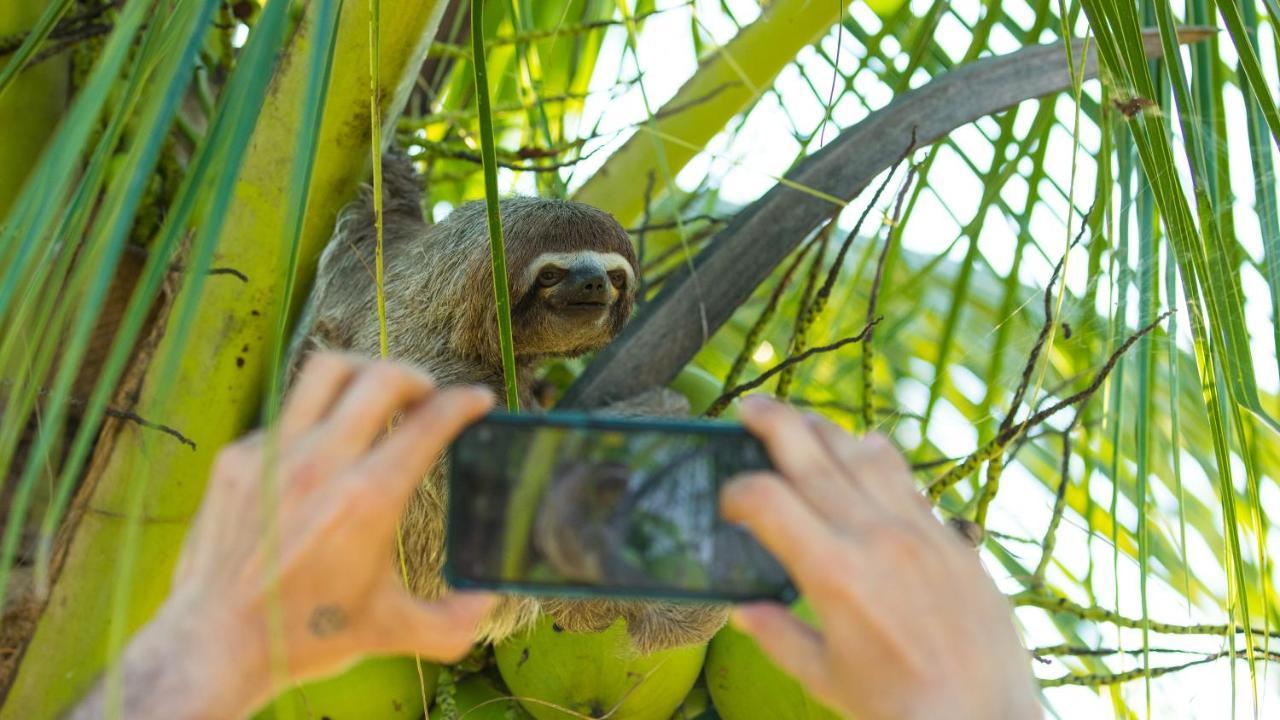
[1045, 328]
[1093, 613]
[757, 328]
[868, 352]
[997, 445]
[800, 330]
[723, 401]
[1104, 679]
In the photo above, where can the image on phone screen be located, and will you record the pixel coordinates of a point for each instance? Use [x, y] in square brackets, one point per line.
[615, 507]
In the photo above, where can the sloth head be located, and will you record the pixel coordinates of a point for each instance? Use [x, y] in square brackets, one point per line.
[571, 276]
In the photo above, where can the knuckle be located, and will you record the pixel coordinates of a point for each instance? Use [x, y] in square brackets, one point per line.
[834, 556]
[326, 362]
[895, 539]
[833, 567]
[363, 500]
[389, 373]
[307, 470]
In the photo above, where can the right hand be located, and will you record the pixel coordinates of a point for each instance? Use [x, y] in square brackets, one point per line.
[911, 625]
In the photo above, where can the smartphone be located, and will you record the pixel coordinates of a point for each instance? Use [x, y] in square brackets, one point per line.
[580, 505]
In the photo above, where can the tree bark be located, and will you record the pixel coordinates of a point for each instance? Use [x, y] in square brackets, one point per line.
[218, 389]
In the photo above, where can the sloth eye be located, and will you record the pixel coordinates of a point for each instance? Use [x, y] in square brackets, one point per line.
[618, 278]
[550, 276]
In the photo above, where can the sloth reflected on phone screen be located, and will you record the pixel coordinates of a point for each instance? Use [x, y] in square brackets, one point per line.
[609, 512]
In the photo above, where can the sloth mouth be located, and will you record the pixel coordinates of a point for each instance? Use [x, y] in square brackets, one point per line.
[587, 304]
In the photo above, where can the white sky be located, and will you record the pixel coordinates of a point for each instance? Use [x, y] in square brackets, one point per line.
[744, 167]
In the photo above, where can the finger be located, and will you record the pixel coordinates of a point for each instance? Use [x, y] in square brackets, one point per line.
[398, 463]
[785, 524]
[791, 644]
[871, 464]
[363, 412]
[443, 630]
[800, 455]
[321, 381]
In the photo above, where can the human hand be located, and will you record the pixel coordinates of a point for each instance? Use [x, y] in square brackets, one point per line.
[911, 625]
[315, 574]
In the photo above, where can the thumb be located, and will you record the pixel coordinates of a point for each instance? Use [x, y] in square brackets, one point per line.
[442, 630]
[789, 643]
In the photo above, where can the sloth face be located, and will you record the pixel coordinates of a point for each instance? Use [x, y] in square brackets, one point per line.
[573, 302]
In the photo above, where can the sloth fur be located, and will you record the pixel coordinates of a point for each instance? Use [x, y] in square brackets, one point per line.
[572, 280]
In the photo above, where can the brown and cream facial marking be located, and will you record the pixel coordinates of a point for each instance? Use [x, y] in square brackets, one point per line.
[581, 284]
[574, 302]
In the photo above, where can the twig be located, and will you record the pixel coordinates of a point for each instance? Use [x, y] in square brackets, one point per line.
[833, 274]
[69, 28]
[1002, 440]
[995, 466]
[1104, 679]
[539, 35]
[1029, 368]
[1065, 650]
[676, 250]
[640, 235]
[799, 333]
[723, 401]
[437, 151]
[118, 414]
[868, 358]
[1057, 603]
[1059, 504]
[646, 226]
[757, 328]
[666, 111]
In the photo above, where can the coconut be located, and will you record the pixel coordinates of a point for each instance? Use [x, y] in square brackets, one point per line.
[372, 689]
[696, 705]
[595, 674]
[745, 684]
[479, 697]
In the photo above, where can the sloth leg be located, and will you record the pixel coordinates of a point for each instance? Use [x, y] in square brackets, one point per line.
[659, 626]
[652, 626]
[422, 534]
[583, 616]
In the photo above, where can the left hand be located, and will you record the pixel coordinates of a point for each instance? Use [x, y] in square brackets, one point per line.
[317, 575]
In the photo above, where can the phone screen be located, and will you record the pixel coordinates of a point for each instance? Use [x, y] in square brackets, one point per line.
[575, 505]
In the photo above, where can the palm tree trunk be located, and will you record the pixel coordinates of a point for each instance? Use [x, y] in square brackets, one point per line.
[222, 365]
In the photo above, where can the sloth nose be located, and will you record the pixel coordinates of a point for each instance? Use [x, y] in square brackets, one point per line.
[588, 284]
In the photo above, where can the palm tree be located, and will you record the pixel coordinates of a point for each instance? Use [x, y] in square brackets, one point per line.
[1049, 270]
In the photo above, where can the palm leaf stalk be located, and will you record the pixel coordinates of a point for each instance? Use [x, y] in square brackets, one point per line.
[227, 351]
[501, 293]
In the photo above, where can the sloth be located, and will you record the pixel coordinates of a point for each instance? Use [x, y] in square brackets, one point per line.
[572, 278]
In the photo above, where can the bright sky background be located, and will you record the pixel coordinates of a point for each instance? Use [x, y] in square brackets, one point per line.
[744, 167]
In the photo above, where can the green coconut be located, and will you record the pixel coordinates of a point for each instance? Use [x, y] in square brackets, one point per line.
[745, 684]
[696, 705]
[701, 388]
[372, 689]
[595, 674]
[479, 697]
